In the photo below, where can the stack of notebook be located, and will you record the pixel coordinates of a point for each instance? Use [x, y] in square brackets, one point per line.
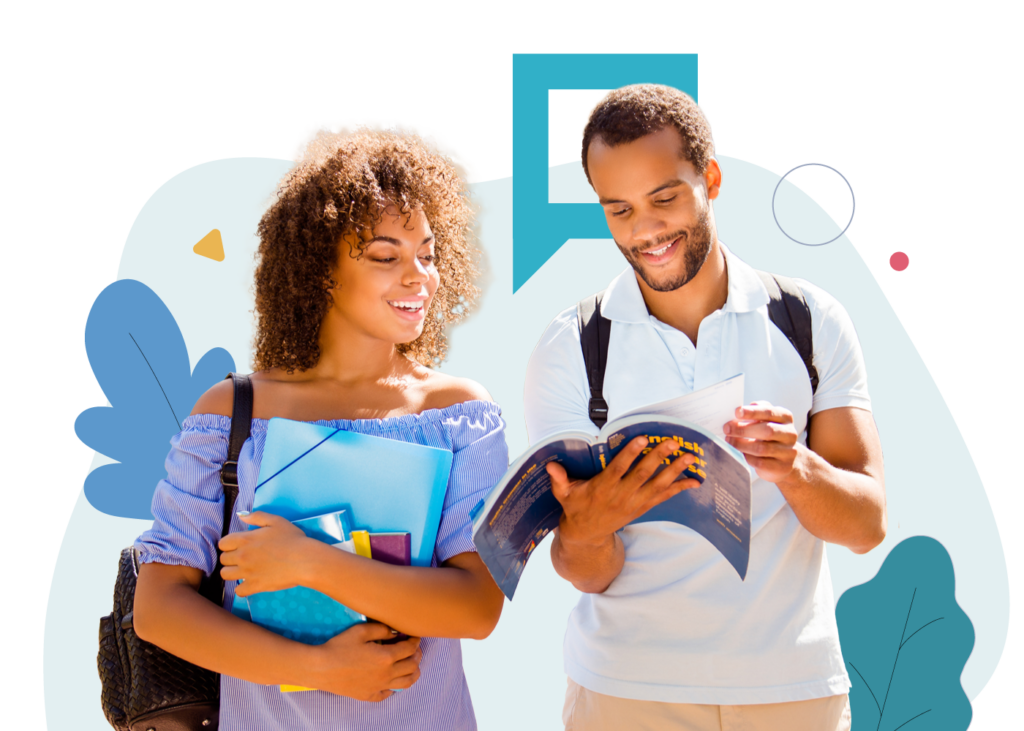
[379, 498]
[309, 616]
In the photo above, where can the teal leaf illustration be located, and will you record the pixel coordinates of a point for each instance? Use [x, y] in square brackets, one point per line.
[906, 641]
[139, 357]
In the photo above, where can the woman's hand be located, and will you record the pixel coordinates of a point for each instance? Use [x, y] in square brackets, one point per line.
[267, 559]
[354, 665]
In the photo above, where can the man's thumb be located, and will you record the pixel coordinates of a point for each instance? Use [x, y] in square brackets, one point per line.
[559, 480]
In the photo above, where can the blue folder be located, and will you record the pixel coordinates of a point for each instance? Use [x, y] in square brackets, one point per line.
[385, 485]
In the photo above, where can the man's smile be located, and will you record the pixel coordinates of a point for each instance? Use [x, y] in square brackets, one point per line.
[661, 252]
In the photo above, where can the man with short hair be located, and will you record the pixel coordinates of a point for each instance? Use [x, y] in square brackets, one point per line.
[666, 634]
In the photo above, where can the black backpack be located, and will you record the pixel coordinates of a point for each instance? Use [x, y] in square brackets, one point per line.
[787, 308]
[145, 688]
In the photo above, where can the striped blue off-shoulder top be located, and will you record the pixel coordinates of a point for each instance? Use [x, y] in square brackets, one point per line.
[188, 509]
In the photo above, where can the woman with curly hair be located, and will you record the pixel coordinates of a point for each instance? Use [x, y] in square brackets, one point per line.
[365, 256]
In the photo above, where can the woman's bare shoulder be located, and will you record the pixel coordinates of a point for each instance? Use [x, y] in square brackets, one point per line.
[219, 399]
[443, 390]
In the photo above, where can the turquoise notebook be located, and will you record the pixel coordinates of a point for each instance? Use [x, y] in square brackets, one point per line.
[301, 613]
[384, 485]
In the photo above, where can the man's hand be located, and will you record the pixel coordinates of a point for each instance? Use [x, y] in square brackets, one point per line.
[596, 508]
[586, 550]
[352, 664]
[835, 485]
[267, 559]
[767, 437]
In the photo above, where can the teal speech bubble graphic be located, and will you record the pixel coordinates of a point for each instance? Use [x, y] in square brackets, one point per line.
[540, 228]
[905, 641]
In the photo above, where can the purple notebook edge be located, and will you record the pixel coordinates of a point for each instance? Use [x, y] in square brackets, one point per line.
[395, 549]
[392, 548]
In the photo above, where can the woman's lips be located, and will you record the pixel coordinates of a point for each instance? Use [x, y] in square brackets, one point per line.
[664, 255]
[407, 312]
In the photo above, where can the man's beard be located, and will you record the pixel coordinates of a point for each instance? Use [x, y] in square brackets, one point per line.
[697, 242]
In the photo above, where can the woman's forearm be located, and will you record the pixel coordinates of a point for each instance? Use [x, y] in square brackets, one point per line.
[210, 636]
[458, 599]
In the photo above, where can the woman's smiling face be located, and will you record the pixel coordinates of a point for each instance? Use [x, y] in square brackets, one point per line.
[384, 287]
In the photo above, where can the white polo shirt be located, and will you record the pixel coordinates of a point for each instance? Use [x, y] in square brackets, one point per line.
[678, 625]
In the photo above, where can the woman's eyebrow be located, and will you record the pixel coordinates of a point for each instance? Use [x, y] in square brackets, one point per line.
[396, 242]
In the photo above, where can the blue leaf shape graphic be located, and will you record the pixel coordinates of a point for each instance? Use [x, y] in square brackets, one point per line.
[139, 357]
[906, 641]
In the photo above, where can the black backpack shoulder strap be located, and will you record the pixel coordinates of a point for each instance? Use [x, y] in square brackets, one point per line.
[595, 333]
[241, 424]
[788, 309]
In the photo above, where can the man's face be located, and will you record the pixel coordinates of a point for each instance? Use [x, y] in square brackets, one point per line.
[657, 206]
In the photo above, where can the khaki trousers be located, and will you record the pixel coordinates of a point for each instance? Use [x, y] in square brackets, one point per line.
[586, 710]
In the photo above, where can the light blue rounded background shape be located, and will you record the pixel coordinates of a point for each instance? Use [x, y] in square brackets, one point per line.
[809, 224]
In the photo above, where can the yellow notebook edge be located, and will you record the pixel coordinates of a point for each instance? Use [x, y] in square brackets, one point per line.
[361, 540]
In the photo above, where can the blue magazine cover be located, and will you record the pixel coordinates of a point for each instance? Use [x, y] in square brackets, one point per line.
[521, 509]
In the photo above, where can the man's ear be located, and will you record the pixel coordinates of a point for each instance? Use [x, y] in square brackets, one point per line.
[713, 178]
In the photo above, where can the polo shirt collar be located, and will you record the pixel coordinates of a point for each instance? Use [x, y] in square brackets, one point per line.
[624, 302]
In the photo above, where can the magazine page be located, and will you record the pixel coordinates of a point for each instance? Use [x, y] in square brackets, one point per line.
[709, 408]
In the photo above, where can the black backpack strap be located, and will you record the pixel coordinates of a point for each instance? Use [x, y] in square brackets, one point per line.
[788, 309]
[241, 423]
[595, 333]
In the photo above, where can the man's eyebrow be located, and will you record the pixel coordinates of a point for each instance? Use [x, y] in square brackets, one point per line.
[663, 186]
[396, 242]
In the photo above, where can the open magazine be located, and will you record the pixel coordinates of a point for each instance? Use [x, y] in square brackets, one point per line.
[521, 510]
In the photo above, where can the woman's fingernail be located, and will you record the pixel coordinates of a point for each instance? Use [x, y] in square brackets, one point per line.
[242, 513]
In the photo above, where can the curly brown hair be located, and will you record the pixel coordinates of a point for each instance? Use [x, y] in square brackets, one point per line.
[632, 112]
[341, 186]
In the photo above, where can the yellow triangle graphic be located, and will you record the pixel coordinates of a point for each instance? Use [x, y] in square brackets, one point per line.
[211, 246]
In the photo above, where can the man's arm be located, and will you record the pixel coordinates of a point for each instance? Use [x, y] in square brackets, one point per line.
[590, 567]
[586, 550]
[835, 485]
